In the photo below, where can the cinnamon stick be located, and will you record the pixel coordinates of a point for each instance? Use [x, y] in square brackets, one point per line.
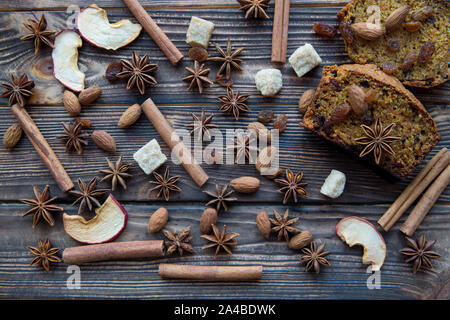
[114, 251]
[174, 142]
[210, 273]
[280, 31]
[427, 201]
[42, 147]
[433, 168]
[172, 53]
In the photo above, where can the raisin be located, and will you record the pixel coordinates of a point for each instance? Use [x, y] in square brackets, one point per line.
[325, 30]
[413, 26]
[422, 14]
[84, 123]
[112, 70]
[367, 119]
[280, 123]
[426, 52]
[347, 33]
[431, 20]
[198, 54]
[389, 67]
[265, 116]
[364, 83]
[371, 96]
[321, 120]
[408, 62]
[340, 113]
[327, 127]
[393, 45]
[335, 84]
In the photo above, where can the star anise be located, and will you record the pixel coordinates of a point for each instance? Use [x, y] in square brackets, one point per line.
[201, 126]
[197, 76]
[38, 33]
[165, 184]
[221, 240]
[419, 253]
[74, 137]
[179, 241]
[283, 225]
[42, 207]
[116, 172]
[291, 186]
[254, 8]
[223, 81]
[18, 90]
[221, 197]
[228, 59]
[314, 257]
[245, 147]
[377, 140]
[87, 195]
[137, 72]
[234, 103]
[45, 254]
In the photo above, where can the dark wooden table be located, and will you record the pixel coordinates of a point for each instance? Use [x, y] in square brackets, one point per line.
[366, 194]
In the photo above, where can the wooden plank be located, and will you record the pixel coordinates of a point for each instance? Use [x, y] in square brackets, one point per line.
[150, 4]
[300, 150]
[283, 277]
[255, 37]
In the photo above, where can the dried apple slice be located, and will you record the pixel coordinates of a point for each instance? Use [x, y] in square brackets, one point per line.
[356, 230]
[108, 223]
[94, 27]
[65, 60]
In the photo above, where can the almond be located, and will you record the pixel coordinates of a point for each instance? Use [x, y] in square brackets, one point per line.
[71, 103]
[208, 218]
[357, 100]
[89, 95]
[305, 100]
[158, 220]
[265, 159]
[368, 31]
[396, 18]
[103, 140]
[261, 131]
[245, 184]
[301, 240]
[12, 136]
[263, 224]
[130, 116]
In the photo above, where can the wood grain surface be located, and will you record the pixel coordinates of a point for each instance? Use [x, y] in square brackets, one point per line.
[366, 194]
